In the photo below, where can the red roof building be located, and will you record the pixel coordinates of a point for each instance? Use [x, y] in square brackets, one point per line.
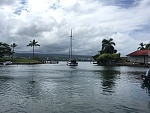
[140, 53]
[139, 56]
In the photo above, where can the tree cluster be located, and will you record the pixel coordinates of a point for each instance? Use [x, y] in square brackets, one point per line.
[108, 54]
[6, 49]
[144, 46]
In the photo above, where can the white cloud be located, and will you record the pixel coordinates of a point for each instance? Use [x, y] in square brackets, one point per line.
[50, 22]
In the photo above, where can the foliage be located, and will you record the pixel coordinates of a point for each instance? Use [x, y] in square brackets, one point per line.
[5, 49]
[24, 60]
[144, 46]
[13, 46]
[33, 44]
[107, 56]
[95, 57]
[108, 46]
[147, 46]
[108, 59]
[19, 60]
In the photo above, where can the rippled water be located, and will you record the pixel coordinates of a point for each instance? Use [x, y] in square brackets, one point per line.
[87, 88]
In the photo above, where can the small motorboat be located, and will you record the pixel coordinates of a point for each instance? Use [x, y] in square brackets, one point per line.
[7, 63]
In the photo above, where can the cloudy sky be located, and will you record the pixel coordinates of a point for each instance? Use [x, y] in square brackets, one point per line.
[49, 22]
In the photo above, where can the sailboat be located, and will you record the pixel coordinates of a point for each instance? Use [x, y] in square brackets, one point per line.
[71, 62]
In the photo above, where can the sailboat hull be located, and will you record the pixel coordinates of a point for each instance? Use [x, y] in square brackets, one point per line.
[72, 63]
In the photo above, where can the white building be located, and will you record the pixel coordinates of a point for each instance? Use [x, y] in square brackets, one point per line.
[139, 56]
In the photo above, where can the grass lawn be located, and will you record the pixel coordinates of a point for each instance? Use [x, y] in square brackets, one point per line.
[18, 60]
[25, 60]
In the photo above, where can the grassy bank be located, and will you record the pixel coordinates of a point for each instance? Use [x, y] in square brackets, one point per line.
[20, 61]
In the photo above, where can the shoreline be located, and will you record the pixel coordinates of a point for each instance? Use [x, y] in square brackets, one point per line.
[29, 63]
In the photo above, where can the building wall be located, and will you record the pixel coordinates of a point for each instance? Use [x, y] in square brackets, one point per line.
[138, 59]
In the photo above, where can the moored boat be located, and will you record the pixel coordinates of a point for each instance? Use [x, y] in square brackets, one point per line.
[7, 63]
[71, 62]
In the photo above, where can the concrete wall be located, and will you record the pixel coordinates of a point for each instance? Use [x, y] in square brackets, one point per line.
[138, 59]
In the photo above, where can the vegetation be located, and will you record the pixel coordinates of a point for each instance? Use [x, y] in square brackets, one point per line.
[108, 59]
[19, 60]
[8, 50]
[24, 61]
[144, 46]
[108, 46]
[108, 55]
[33, 44]
[5, 49]
[13, 46]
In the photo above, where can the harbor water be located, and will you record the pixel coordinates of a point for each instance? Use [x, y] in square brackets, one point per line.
[86, 88]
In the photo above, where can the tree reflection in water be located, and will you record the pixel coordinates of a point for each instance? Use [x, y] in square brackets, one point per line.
[109, 76]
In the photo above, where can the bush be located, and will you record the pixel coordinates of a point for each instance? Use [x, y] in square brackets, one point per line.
[108, 59]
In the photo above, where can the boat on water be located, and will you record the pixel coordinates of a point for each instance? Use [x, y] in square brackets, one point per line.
[7, 63]
[71, 61]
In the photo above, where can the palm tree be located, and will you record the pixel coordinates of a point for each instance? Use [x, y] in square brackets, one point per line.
[33, 44]
[147, 46]
[13, 46]
[142, 46]
[107, 46]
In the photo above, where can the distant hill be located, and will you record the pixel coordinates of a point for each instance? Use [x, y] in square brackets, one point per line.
[60, 57]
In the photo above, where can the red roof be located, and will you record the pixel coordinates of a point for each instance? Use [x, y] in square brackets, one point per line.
[139, 53]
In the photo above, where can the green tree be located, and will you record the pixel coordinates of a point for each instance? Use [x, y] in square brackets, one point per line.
[142, 46]
[108, 46]
[33, 44]
[147, 46]
[4, 49]
[108, 55]
[108, 59]
[13, 46]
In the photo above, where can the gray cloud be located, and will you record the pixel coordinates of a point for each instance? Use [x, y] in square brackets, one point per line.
[127, 22]
[7, 2]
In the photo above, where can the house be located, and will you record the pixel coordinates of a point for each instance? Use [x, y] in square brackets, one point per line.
[139, 56]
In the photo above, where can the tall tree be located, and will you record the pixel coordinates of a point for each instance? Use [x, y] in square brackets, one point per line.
[142, 46]
[13, 46]
[108, 46]
[4, 49]
[33, 44]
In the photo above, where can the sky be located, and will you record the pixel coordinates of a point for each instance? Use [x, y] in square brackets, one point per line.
[50, 22]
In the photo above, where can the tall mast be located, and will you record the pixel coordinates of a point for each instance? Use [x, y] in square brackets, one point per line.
[71, 45]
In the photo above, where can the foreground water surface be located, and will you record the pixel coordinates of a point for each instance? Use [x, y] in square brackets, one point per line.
[58, 88]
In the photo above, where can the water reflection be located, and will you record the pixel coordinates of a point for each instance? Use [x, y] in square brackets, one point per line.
[82, 89]
[109, 76]
[146, 86]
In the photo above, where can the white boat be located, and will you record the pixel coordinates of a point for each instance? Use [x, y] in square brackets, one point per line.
[7, 63]
[71, 62]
